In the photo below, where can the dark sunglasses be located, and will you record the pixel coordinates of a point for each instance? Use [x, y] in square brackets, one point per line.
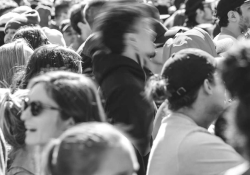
[36, 107]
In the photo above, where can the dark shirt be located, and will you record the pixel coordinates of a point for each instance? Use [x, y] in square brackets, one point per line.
[122, 82]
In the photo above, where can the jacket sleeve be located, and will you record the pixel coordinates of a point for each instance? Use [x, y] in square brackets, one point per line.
[129, 107]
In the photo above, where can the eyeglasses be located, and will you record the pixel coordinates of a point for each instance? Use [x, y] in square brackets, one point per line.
[36, 107]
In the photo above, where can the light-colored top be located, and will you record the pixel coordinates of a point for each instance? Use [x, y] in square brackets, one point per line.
[183, 148]
[222, 36]
[223, 43]
[24, 163]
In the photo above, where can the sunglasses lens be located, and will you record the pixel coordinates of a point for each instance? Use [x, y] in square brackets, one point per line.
[36, 108]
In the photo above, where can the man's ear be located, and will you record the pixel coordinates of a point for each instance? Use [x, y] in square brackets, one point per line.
[232, 16]
[207, 86]
[129, 39]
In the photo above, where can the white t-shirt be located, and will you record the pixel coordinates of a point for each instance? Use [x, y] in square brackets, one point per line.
[183, 148]
[223, 43]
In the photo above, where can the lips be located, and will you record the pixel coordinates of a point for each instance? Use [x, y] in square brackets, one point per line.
[30, 129]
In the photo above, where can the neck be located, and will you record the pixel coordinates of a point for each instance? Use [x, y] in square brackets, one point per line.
[198, 116]
[132, 56]
[231, 31]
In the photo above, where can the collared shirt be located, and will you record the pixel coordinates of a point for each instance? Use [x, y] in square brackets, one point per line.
[183, 148]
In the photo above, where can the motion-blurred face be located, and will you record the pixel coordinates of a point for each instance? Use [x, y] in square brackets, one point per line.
[41, 116]
[145, 37]
[118, 161]
[208, 12]
[9, 35]
[244, 23]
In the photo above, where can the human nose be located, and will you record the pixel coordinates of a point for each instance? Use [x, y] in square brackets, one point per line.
[26, 114]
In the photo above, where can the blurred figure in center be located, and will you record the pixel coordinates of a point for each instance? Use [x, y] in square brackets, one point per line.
[128, 37]
[90, 149]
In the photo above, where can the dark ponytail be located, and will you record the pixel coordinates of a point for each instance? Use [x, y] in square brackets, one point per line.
[156, 89]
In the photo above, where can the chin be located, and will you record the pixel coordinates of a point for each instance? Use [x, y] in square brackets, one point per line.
[30, 142]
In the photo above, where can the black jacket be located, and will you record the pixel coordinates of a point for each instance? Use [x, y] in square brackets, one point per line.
[122, 82]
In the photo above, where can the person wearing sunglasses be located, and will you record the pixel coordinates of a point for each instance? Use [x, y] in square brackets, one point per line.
[234, 20]
[20, 155]
[56, 101]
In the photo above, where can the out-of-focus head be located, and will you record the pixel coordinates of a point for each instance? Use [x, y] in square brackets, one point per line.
[92, 9]
[78, 22]
[235, 73]
[49, 57]
[34, 35]
[69, 34]
[10, 122]
[235, 69]
[199, 11]
[91, 148]
[54, 36]
[234, 13]
[194, 38]
[21, 9]
[57, 101]
[28, 18]
[62, 11]
[6, 6]
[126, 29]
[13, 56]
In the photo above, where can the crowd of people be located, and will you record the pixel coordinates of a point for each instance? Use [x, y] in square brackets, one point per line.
[124, 87]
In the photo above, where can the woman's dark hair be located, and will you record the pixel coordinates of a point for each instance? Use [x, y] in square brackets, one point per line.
[74, 93]
[235, 71]
[82, 149]
[181, 78]
[34, 36]
[50, 57]
[114, 23]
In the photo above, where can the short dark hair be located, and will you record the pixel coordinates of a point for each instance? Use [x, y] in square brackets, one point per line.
[76, 16]
[34, 36]
[114, 23]
[91, 9]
